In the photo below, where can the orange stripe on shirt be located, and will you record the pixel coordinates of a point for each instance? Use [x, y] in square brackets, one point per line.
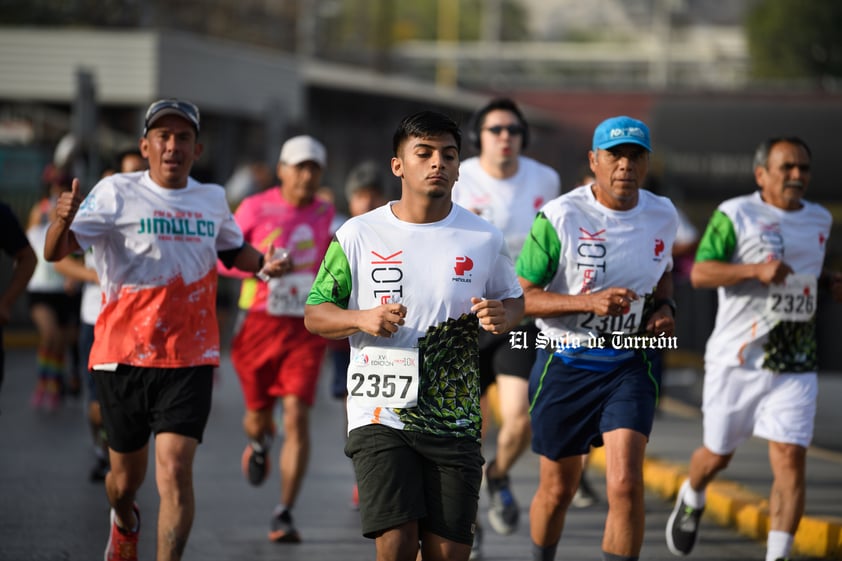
[169, 326]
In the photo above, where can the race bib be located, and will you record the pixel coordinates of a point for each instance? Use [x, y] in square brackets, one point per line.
[794, 300]
[287, 294]
[629, 323]
[384, 377]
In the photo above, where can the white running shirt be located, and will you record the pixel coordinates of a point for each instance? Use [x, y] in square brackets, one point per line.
[155, 251]
[511, 203]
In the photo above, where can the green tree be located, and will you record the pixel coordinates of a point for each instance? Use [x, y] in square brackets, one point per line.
[795, 38]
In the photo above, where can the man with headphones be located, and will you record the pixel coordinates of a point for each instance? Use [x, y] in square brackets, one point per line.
[507, 189]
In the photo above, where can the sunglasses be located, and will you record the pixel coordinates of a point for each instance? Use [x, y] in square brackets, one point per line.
[513, 130]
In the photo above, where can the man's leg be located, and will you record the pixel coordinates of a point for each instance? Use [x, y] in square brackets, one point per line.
[787, 497]
[174, 456]
[295, 452]
[121, 484]
[399, 543]
[513, 436]
[624, 524]
[556, 485]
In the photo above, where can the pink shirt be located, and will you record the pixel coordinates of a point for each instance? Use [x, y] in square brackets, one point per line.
[269, 220]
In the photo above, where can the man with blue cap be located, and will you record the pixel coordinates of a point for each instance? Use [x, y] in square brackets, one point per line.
[595, 272]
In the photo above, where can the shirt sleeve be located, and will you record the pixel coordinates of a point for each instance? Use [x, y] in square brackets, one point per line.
[719, 240]
[333, 281]
[502, 283]
[97, 214]
[538, 260]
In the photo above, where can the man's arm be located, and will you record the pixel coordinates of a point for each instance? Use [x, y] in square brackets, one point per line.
[74, 268]
[498, 316]
[713, 273]
[541, 303]
[24, 266]
[333, 322]
[250, 260]
[60, 241]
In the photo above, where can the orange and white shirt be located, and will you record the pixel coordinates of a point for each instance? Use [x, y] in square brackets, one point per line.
[155, 251]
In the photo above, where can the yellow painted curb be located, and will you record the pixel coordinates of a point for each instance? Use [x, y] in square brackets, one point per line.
[731, 504]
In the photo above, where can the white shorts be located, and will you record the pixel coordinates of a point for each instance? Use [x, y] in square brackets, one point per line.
[738, 403]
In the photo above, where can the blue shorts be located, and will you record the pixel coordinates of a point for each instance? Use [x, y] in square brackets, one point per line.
[571, 407]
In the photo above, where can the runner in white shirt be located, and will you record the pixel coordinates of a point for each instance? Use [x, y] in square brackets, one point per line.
[411, 284]
[595, 271]
[156, 236]
[507, 189]
[764, 253]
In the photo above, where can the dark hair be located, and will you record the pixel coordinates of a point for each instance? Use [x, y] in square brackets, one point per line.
[426, 124]
[761, 154]
[123, 154]
[498, 104]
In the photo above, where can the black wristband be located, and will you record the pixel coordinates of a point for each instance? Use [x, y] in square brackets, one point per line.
[665, 302]
[260, 262]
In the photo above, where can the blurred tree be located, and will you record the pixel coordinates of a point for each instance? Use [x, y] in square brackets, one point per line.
[795, 38]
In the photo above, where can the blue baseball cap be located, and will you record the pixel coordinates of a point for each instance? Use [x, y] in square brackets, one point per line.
[621, 130]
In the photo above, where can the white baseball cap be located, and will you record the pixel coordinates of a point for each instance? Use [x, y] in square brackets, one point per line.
[303, 148]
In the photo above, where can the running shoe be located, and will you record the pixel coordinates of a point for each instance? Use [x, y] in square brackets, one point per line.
[355, 498]
[255, 464]
[585, 495]
[99, 470]
[683, 526]
[37, 399]
[476, 546]
[282, 530]
[122, 544]
[504, 513]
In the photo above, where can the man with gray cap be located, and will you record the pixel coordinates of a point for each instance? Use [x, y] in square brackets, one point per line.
[274, 356]
[156, 236]
[595, 272]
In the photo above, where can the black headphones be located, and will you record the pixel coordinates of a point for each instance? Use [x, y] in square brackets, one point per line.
[503, 104]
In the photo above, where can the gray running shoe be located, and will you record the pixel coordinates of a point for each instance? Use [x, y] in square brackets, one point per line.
[282, 530]
[476, 547]
[585, 495]
[683, 527]
[255, 465]
[503, 515]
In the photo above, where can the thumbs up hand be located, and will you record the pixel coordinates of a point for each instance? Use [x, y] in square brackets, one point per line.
[68, 203]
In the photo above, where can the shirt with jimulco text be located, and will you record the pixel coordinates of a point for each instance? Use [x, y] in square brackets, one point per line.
[752, 326]
[155, 252]
[578, 246]
[434, 270]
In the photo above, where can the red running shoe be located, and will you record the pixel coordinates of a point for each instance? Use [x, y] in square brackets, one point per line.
[122, 544]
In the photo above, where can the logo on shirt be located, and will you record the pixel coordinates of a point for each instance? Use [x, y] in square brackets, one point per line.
[538, 203]
[591, 256]
[387, 276]
[463, 265]
[659, 247]
[178, 226]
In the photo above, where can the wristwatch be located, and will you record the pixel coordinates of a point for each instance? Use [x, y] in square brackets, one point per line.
[665, 302]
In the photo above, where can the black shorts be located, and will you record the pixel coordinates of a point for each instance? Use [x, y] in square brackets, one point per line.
[137, 402]
[512, 353]
[63, 306]
[570, 408]
[407, 475]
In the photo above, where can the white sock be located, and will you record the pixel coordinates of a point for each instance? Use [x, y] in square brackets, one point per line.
[694, 499]
[778, 545]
